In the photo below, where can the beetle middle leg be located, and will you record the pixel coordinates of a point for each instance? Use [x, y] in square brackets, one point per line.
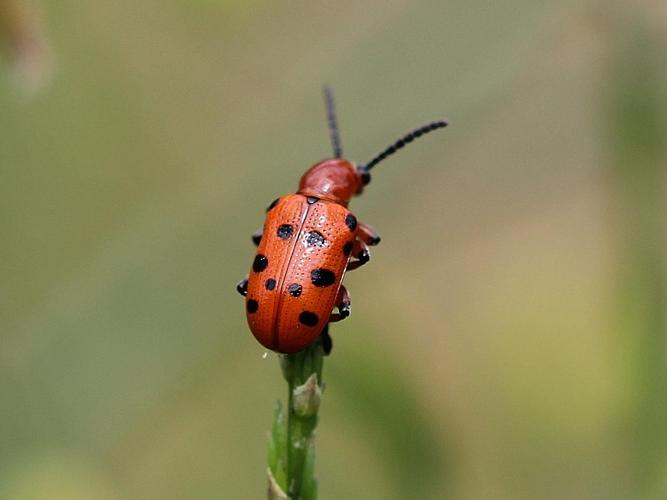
[367, 234]
[344, 305]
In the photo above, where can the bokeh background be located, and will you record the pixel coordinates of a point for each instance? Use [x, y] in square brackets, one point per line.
[507, 339]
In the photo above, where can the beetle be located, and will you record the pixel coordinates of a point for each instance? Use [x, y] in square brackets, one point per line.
[308, 242]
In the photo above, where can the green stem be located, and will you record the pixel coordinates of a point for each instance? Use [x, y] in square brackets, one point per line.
[291, 445]
[637, 132]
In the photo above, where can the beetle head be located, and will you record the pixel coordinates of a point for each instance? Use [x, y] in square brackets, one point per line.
[338, 179]
[335, 180]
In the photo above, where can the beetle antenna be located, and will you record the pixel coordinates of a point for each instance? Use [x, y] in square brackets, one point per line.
[333, 122]
[402, 142]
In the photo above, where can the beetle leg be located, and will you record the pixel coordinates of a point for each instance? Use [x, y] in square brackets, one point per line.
[360, 251]
[325, 338]
[242, 286]
[257, 237]
[343, 304]
[368, 235]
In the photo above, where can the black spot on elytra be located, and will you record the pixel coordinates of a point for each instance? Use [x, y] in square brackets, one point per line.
[322, 277]
[270, 284]
[273, 204]
[284, 231]
[260, 263]
[308, 318]
[251, 306]
[315, 239]
[351, 222]
[347, 248]
[312, 199]
[295, 289]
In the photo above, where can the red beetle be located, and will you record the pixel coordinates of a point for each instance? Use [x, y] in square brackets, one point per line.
[306, 246]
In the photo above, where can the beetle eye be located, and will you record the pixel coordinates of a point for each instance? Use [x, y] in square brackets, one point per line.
[364, 174]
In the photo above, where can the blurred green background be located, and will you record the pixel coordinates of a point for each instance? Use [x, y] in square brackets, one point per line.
[508, 338]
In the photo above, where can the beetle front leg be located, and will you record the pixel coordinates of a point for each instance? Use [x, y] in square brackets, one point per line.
[360, 251]
[344, 305]
[257, 237]
[368, 235]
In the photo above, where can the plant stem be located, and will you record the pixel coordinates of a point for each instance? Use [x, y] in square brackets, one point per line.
[637, 131]
[291, 444]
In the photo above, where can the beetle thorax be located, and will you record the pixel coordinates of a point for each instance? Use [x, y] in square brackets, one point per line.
[336, 180]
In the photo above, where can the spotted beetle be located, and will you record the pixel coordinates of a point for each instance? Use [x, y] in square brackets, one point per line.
[305, 247]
